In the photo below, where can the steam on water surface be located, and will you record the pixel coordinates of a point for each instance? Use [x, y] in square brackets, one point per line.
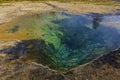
[70, 40]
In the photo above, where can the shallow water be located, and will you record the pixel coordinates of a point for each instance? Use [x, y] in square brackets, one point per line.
[69, 40]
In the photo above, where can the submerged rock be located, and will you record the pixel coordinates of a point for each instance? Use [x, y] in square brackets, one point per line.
[17, 69]
[106, 67]
[16, 48]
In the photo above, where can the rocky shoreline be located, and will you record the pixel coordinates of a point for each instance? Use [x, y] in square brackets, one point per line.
[106, 67]
[13, 67]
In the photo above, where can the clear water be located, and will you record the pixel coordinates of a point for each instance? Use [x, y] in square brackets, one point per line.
[70, 40]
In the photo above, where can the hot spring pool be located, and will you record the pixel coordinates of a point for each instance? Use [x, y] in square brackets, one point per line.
[67, 40]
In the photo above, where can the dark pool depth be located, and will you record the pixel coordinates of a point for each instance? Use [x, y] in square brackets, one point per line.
[70, 40]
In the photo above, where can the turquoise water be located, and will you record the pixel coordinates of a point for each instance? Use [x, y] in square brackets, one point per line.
[70, 40]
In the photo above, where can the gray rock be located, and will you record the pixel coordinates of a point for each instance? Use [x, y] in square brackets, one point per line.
[106, 67]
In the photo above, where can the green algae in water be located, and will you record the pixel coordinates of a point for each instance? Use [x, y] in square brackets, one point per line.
[13, 29]
[71, 40]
